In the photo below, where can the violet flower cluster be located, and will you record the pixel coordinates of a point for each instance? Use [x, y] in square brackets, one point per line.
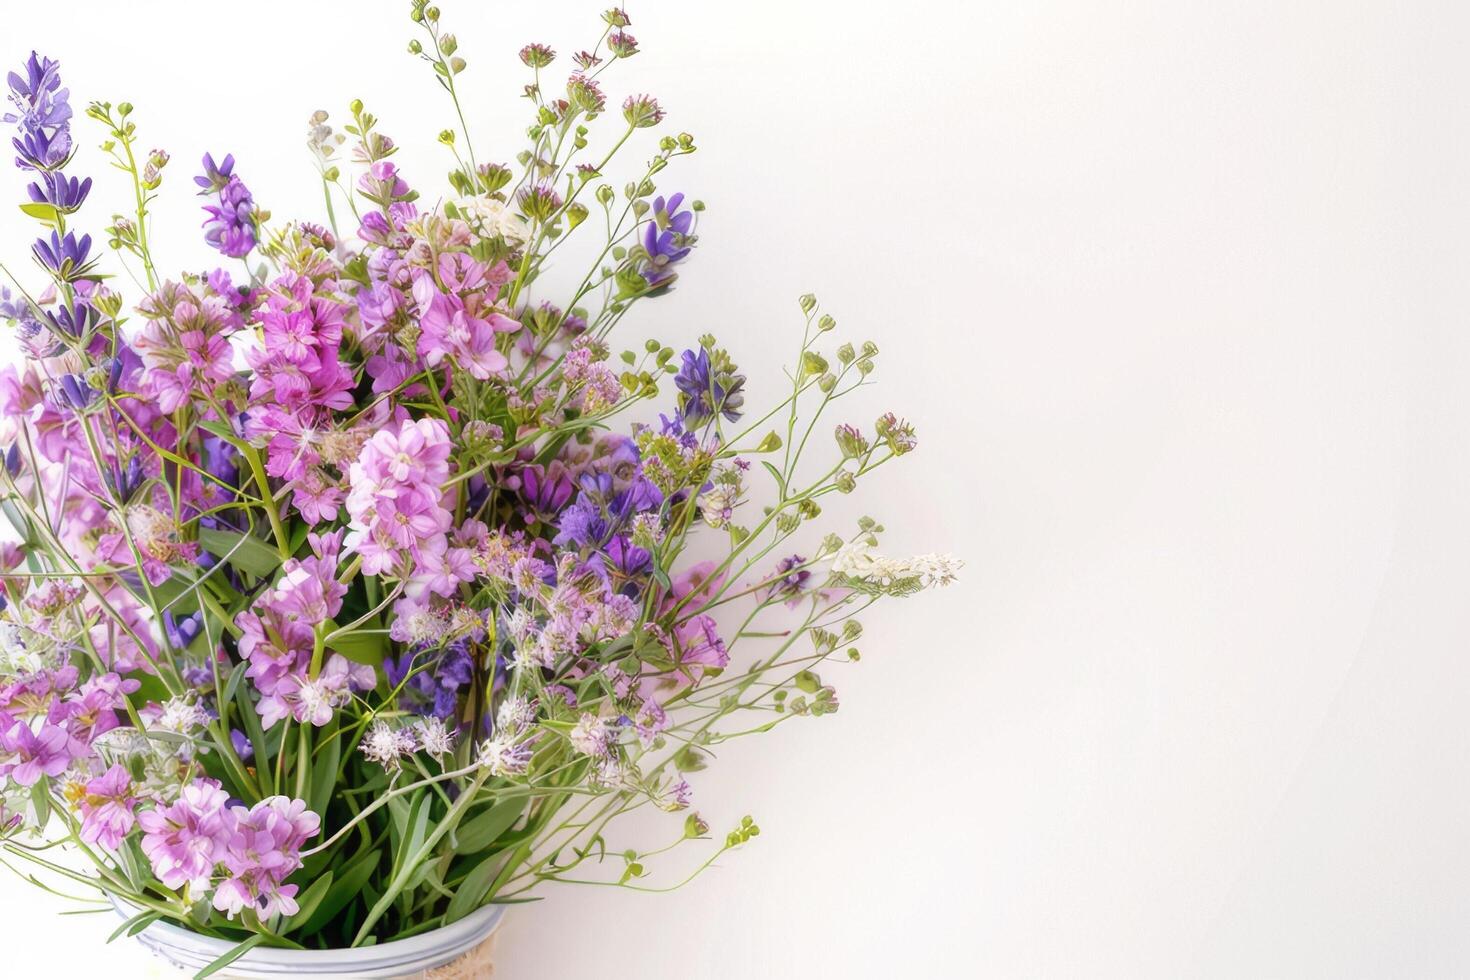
[369, 580]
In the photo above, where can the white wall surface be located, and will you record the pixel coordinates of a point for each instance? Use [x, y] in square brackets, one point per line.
[1176, 293]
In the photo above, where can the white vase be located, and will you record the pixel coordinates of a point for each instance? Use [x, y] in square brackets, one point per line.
[401, 959]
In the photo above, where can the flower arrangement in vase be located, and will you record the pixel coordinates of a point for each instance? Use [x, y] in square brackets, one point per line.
[357, 586]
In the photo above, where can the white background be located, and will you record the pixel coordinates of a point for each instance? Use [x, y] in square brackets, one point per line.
[1176, 294]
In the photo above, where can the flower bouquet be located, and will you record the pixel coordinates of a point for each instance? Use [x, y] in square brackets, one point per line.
[359, 586]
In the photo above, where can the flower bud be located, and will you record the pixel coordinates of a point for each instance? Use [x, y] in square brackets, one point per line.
[642, 111]
[622, 44]
[845, 482]
[808, 303]
[851, 441]
[537, 55]
[826, 323]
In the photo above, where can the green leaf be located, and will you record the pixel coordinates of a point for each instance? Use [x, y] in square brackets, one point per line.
[310, 900]
[689, 759]
[230, 957]
[472, 890]
[324, 774]
[136, 924]
[368, 647]
[251, 720]
[775, 475]
[246, 552]
[41, 800]
[42, 212]
[232, 684]
[347, 886]
[483, 829]
[412, 834]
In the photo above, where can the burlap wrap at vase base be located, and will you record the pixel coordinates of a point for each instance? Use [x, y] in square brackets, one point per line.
[477, 964]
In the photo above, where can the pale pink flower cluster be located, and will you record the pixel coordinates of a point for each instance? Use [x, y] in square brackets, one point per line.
[200, 838]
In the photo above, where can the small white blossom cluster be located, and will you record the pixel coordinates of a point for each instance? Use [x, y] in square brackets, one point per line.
[495, 218]
[509, 752]
[388, 744]
[859, 560]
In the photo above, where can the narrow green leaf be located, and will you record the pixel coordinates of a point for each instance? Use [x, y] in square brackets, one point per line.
[136, 924]
[230, 957]
[324, 778]
[310, 900]
[483, 829]
[472, 890]
[347, 886]
[245, 551]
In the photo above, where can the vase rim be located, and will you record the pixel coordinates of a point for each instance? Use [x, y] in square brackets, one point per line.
[441, 945]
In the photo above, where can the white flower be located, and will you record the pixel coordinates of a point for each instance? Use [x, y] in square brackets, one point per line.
[858, 560]
[496, 218]
[591, 735]
[515, 715]
[387, 745]
[504, 757]
[717, 504]
[435, 737]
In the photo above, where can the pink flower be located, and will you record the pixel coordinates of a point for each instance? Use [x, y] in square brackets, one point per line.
[185, 841]
[396, 503]
[315, 700]
[316, 498]
[264, 849]
[93, 709]
[29, 755]
[107, 808]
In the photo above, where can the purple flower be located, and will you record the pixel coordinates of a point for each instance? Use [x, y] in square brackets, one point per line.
[64, 193]
[432, 679]
[667, 239]
[230, 227]
[67, 257]
[706, 390]
[546, 490]
[790, 580]
[75, 320]
[29, 755]
[186, 840]
[74, 392]
[107, 805]
[264, 849]
[43, 115]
